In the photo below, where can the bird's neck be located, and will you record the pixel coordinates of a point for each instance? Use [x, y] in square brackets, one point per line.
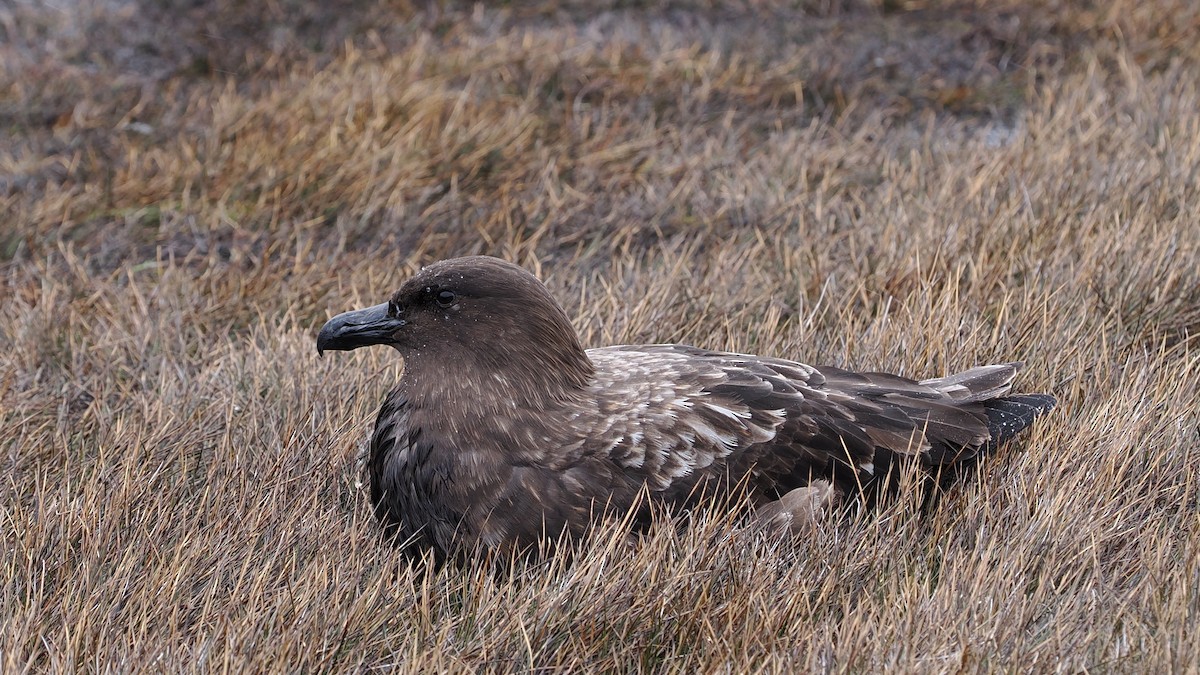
[512, 408]
[532, 375]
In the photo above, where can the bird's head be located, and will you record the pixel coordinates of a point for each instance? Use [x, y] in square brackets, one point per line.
[478, 313]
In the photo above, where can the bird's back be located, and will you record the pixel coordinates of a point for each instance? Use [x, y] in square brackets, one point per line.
[681, 418]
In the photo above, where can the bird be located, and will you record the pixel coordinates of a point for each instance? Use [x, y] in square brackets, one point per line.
[504, 432]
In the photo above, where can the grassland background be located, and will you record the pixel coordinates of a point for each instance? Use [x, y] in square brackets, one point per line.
[189, 189]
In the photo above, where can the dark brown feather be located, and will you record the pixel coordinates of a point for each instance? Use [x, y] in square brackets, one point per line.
[504, 431]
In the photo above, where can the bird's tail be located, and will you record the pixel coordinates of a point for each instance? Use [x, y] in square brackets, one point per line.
[989, 386]
[1007, 416]
[977, 384]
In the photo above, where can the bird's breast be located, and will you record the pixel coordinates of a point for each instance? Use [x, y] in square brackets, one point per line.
[412, 484]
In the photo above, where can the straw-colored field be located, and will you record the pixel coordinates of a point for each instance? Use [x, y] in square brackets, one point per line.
[189, 189]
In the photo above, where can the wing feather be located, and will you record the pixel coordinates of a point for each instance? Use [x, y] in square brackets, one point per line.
[712, 416]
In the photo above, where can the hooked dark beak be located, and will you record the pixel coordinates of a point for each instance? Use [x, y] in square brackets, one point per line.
[360, 328]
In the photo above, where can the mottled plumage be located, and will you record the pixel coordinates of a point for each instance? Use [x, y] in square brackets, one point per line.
[503, 430]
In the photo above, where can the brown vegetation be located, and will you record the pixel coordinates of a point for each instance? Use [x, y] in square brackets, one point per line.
[188, 189]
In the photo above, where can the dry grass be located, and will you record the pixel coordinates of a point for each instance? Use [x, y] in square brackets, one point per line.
[190, 189]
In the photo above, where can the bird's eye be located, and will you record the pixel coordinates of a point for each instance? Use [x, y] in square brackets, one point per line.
[446, 298]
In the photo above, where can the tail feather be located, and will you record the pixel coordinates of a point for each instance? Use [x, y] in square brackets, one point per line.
[1006, 417]
[977, 384]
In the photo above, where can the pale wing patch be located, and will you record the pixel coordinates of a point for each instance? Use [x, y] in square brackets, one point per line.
[678, 425]
[707, 432]
[723, 411]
